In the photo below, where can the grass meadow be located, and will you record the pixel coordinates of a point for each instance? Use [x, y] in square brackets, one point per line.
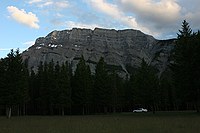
[161, 122]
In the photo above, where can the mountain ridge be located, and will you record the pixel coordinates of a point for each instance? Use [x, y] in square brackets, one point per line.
[120, 48]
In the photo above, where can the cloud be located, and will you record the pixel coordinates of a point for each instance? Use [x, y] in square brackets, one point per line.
[163, 16]
[193, 18]
[21, 16]
[26, 45]
[9, 49]
[50, 3]
[29, 43]
[34, 1]
[58, 15]
[113, 10]
[162, 11]
[71, 24]
[159, 16]
[5, 49]
[191, 12]
[62, 4]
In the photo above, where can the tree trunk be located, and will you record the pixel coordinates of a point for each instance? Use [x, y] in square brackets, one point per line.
[8, 112]
[105, 109]
[114, 109]
[51, 109]
[153, 109]
[70, 109]
[83, 111]
[18, 110]
[24, 109]
[198, 106]
[198, 101]
[63, 111]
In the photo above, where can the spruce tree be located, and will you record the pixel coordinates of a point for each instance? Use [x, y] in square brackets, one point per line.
[167, 92]
[117, 92]
[51, 87]
[81, 86]
[146, 86]
[16, 83]
[185, 31]
[63, 88]
[101, 87]
[185, 67]
[33, 93]
[2, 82]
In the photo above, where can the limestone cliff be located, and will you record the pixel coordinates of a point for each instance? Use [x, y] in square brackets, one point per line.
[120, 48]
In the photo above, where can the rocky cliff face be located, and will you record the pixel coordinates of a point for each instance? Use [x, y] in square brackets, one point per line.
[119, 48]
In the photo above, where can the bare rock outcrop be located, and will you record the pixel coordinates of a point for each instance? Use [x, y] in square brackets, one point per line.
[119, 48]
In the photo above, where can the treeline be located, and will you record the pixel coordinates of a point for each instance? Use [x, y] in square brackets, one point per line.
[54, 89]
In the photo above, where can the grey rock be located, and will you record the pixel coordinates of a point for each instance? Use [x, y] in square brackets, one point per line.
[118, 48]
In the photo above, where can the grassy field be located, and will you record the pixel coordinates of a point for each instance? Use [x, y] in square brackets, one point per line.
[161, 122]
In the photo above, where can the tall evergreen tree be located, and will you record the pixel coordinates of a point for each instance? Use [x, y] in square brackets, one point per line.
[129, 93]
[51, 87]
[117, 92]
[2, 82]
[34, 93]
[167, 92]
[146, 86]
[39, 88]
[81, 86]
[16, 87]
[63, 88]
[185, 31]
[101, 87]
[185, 67]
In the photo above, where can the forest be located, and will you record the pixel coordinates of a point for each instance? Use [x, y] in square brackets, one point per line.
[56, 90]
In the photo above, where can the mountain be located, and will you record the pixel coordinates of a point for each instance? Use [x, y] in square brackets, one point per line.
[121, 49]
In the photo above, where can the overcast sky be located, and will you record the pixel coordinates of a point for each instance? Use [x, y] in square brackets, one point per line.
[22, 21]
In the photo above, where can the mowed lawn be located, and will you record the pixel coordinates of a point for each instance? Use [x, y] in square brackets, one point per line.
[161, 122]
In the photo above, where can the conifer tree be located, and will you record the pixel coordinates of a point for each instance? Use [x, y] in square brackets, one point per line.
[16, 86]
[63, 88]
[117, 92]
[185, 67]
[2, 81]
[185, 31]
[81, 86]
[167, 92]
[33, 92]
[101, 87]
[146, 86]
[51, 87]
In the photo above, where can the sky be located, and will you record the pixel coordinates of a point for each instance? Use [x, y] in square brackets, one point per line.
[23, 21]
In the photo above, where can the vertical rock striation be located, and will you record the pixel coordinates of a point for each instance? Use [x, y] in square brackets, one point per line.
[120, 48]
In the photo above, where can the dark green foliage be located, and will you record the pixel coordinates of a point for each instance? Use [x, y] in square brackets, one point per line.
[62, 87]
[2, 81]
[186, 67]
[52, 92]
[14, 89]
[82, 85]
[185, 31]
[56, 89]
[117, 92]
[167, 92]
[145, 86]
[101, 88]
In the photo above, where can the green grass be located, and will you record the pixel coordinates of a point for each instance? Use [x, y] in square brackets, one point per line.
[161, 122]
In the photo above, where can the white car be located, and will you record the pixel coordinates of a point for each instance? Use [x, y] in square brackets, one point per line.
[140, 110]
